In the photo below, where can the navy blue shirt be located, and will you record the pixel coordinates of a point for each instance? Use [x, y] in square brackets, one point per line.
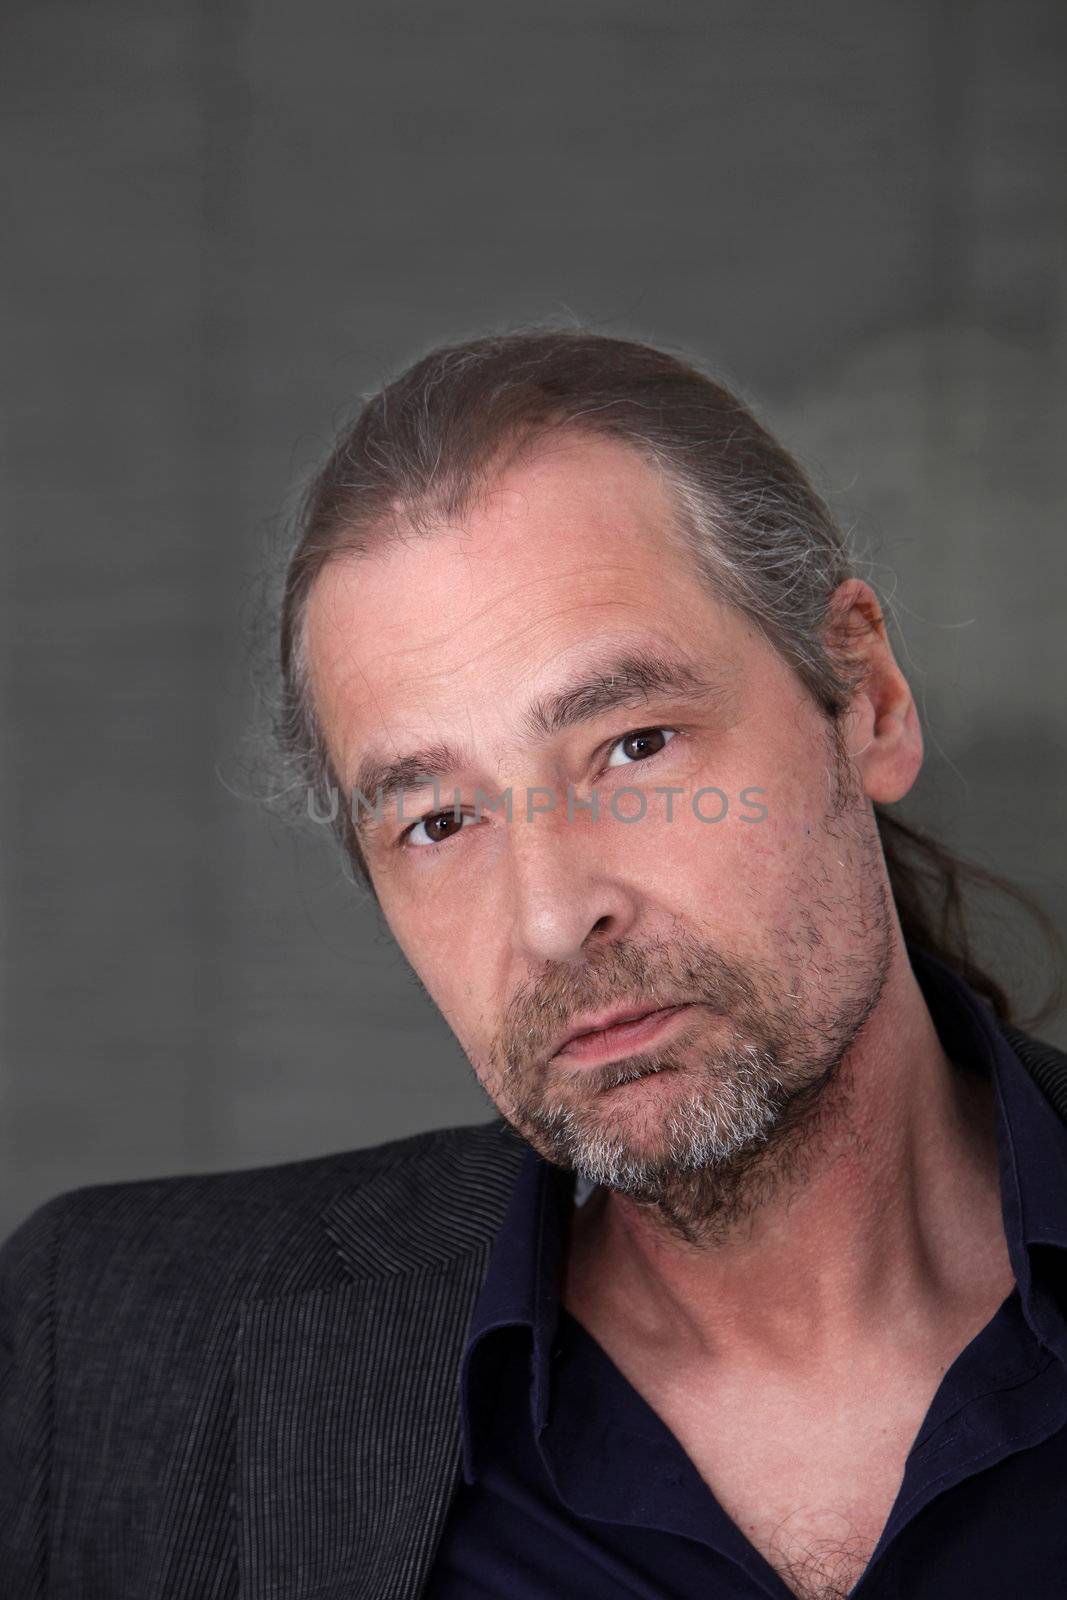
[573, 1488]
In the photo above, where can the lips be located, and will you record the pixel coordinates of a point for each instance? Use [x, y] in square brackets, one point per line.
[598, 1022]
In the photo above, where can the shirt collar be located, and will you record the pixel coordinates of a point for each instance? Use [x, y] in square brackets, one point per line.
[520, 1290]
[1031, 1139]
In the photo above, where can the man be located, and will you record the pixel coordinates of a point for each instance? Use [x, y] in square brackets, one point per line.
[755, 1284]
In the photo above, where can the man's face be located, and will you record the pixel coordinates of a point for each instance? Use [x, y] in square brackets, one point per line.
[770, 934]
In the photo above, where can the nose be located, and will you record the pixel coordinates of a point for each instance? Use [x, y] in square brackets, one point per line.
[567, 892]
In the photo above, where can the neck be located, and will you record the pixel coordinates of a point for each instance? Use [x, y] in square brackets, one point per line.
[896, 1212]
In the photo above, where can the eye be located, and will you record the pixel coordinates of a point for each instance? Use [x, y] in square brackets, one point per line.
[641, 745]
[432, 822]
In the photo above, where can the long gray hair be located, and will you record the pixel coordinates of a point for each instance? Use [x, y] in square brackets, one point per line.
[422, 449]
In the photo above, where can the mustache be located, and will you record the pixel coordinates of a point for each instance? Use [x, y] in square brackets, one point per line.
[627, 974]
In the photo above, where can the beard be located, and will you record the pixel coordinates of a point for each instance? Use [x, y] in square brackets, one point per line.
[742, 1093]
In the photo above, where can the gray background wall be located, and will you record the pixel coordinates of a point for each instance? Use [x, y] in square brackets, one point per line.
[233, 219]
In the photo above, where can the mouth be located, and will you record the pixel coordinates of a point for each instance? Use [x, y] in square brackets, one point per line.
[618, 1033]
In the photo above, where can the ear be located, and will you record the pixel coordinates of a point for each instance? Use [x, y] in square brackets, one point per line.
[881, 731]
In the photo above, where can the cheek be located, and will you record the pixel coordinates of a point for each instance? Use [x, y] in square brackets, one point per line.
[441, 951]
[733, 870]
[425, 950]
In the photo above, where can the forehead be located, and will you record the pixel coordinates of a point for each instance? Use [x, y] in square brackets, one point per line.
[568, 546]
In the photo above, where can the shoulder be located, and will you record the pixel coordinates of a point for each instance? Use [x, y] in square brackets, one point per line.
[246, 1228]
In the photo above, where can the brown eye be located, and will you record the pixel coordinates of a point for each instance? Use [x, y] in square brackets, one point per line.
[439, 826]
[640, 745]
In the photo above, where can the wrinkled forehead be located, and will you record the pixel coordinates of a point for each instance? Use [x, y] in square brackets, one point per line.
[563, 562]
[575, 517]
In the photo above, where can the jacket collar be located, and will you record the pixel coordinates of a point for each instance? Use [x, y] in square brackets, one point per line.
[347, 1424]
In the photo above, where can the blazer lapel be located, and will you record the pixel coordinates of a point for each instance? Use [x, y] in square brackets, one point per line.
[347, 1394]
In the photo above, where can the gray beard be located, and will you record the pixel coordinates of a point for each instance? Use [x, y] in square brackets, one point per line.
[749, 1120]
[746, 1128]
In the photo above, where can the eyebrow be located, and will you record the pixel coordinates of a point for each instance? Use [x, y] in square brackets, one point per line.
[629, 676]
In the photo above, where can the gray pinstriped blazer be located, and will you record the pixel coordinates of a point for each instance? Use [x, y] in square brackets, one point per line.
[244, 1385]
